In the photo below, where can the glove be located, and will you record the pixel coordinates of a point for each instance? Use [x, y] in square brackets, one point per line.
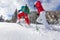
[38, 14]
[34, 5]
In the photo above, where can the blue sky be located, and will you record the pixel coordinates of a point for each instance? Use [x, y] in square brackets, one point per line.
[47, 4]
[7, 7]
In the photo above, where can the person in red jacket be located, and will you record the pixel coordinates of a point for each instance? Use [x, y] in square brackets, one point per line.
[41, 14]
[39, 7]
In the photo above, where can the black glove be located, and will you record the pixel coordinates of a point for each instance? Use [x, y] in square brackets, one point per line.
[38, 14]
[34, 5]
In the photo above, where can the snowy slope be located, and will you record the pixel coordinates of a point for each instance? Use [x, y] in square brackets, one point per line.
[13, 31]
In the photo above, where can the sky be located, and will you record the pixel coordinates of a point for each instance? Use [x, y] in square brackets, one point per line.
[7, 7]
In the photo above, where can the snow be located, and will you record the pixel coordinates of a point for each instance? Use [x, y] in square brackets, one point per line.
[13, 31]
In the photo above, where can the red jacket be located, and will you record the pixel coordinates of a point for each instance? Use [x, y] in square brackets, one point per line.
[39, 6]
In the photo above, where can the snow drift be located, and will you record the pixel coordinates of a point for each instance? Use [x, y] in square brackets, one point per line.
[13, 31]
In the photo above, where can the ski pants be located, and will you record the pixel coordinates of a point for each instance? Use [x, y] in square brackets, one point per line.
[22, 14]
[43, 18]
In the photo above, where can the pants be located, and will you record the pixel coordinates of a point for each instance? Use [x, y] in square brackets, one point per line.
[22, 14]
[42, 19]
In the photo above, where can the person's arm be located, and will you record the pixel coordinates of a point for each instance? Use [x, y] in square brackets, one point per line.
[35, 4]
[35, 8]
[28, 10]
[19, 10]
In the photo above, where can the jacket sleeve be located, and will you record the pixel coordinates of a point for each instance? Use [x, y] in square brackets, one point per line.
[21, 9]
[28, 11]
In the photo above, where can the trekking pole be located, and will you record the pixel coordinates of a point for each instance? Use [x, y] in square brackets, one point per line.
[36, 25]
[36, 21]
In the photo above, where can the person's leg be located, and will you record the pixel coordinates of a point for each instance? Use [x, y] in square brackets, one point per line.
[27, 19]
[44, 21]
[39, 19]
[19, 16]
